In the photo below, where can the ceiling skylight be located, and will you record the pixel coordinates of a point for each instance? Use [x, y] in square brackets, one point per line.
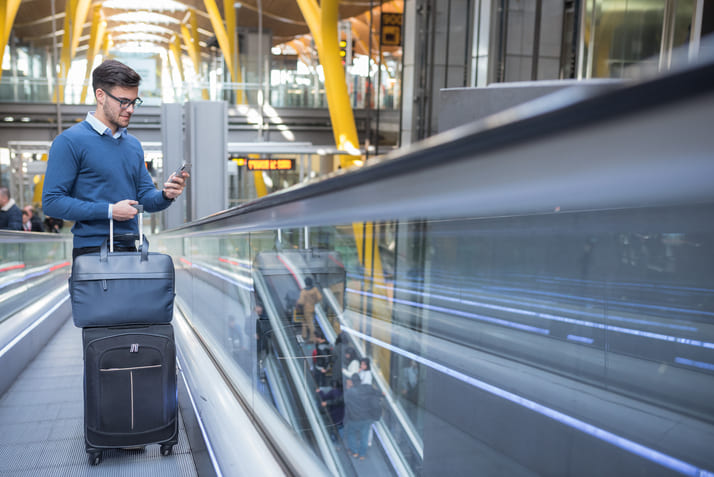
[155, 5]
[143, 17]
[141, 37]
[138, 47]
[142, 28]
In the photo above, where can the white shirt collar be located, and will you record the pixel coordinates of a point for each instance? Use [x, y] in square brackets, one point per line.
[102, 128]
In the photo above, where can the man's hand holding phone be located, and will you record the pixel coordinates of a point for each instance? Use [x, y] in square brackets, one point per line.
[173, 187]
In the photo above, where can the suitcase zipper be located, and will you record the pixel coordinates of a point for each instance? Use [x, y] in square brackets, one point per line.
[132, 368]
[131, 381]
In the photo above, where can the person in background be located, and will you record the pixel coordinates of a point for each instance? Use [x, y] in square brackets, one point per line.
[351, 362]
[309, 297]
[322, 359]
[333, 401]
[30, 221]
[365, 372]
[53, 225]
[10, 214]
[362, 402]
[96, 171]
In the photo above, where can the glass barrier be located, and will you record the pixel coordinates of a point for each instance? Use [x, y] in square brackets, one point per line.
[287, 90]
[501, 335]
[31, 265]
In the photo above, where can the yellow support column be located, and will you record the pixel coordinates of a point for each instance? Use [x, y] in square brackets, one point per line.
[313, 17]
[231, 33]
[346, 137]
[96, 38]
[322, 22]
[223, 39]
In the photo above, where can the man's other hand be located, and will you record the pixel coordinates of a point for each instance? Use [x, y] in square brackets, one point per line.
[123, 210]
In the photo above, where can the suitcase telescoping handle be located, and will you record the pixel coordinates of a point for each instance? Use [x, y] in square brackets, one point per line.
[140, 212]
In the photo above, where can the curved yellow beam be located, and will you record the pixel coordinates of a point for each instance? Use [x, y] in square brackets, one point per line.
[175, 48]
[8, 8]
[80, 14]
[220, 31]
[230, 13]
[74, 18]
[190, 40]
[226, 39]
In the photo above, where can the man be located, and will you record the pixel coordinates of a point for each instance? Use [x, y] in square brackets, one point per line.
[362, 407]
[30, 221]
[10, 214]
[96, 172]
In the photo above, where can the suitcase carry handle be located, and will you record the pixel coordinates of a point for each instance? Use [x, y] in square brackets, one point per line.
[104, 250]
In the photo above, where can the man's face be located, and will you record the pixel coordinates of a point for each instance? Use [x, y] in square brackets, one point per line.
[111, 111]
[27, 212]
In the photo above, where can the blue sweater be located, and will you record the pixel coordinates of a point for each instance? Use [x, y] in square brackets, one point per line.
[87, 171]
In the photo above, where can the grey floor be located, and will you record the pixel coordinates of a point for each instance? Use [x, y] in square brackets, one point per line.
[41, 423]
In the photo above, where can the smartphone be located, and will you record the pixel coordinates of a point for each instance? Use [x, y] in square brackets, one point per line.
[183, 167]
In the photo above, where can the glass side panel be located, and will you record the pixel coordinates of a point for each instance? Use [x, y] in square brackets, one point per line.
[29, 269]
[494, 343]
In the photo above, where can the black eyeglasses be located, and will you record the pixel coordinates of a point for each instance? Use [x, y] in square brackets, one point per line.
[125, 103]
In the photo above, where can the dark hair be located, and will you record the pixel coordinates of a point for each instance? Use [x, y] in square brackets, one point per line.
[114, 73]
[308, 282]
[356, 379]
[365, 360]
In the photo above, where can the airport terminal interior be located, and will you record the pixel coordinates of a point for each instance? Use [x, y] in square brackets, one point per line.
[507, 207]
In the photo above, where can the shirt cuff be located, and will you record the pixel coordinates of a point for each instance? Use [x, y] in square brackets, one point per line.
[163, 194]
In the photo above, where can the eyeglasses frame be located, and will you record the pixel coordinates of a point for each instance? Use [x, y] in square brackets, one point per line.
[125, 103]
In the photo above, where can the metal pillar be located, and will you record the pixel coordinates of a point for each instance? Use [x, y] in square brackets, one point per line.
[205, 148]
[173, 157]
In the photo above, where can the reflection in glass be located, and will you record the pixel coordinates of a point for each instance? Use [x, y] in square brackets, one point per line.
[577, 326]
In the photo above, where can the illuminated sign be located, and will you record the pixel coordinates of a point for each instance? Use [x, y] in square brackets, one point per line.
[271, 164]
[391, 24]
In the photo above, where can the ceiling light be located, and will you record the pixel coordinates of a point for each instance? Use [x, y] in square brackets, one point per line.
[8, 119]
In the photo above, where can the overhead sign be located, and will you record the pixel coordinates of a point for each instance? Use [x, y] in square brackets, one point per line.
[270, 164]
[391, 29]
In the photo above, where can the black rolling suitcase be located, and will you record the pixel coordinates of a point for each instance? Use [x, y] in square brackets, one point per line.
[130, 395]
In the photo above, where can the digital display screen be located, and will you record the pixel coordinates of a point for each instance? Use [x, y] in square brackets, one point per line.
[270, 164]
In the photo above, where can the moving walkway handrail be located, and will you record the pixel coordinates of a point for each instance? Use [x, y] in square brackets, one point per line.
[555, 152]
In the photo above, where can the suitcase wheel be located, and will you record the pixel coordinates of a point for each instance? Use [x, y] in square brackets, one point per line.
[166, 449]
[95, 457]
